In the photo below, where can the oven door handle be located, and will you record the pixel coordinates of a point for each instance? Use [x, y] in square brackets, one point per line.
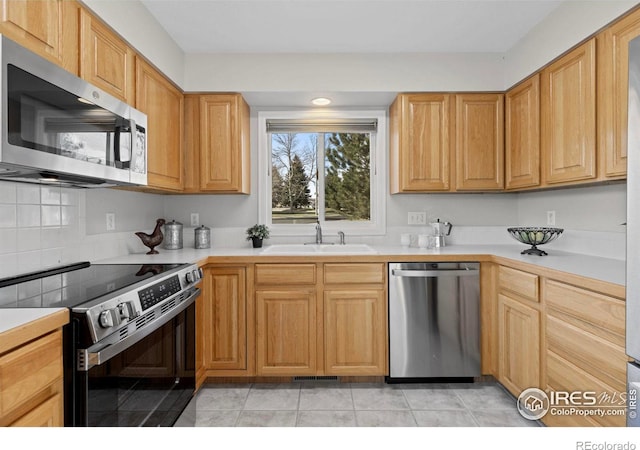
[98, 354]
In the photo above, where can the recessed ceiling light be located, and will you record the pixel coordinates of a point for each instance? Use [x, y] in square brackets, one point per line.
[321, 101]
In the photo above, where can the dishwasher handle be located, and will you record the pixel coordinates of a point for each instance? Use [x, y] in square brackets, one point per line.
[434, 273]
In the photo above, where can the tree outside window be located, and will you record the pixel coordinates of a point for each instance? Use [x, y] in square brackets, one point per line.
[302, 194]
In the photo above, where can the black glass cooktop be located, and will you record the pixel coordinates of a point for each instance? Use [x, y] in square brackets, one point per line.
[73, 285]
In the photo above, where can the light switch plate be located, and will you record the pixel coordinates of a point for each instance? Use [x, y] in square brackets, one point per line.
[417, 218]
[111, 221]
[195, 219]
[551, 218]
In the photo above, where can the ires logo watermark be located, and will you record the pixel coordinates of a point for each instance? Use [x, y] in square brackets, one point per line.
[534, 403]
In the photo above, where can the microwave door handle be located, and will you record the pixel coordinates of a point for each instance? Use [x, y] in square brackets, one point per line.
[137, 155]
[122, 158]
[132, 137]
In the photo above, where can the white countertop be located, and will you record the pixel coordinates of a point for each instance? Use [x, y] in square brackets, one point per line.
[13, 318]
[603, 269]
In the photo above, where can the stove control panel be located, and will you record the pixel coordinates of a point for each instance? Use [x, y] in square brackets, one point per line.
[119, 308]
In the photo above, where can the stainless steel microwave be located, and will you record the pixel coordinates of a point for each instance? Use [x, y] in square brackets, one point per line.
[58, 129]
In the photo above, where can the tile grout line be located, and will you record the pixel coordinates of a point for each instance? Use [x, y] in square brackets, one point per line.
[244, 404]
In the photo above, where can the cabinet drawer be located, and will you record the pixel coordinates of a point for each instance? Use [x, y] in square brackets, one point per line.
[47, 414]
[600, 314]
[285, 274]
[521, 283]
[353, 273]
[29, 369]
[564, 376]
[593, 354]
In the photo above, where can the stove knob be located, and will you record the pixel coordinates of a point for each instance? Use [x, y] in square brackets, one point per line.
[195, 275]
[200, 272]
[189, 277]
[105, 319]
[125, 310]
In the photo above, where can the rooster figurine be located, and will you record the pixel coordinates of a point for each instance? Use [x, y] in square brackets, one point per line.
[154, 239]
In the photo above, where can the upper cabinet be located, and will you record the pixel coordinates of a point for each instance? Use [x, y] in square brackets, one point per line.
[420, 142]
[428, 131]
[163, 103]
[479, 142]
[522, 134]
[217, 144]
[568, 127]
[49, 28]
[613, 87]
[105, 59]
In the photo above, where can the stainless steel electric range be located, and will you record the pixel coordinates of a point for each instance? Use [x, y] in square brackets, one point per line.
[129, 350]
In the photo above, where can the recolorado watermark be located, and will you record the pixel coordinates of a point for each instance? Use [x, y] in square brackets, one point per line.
[590, 445]
[534, 404]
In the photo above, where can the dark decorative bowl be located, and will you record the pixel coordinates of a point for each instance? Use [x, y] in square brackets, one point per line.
[534, 236]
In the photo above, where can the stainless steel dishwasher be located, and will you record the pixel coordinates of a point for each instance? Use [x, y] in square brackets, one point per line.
[434, 320]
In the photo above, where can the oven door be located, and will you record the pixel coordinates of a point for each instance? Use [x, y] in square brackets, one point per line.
[147, 384]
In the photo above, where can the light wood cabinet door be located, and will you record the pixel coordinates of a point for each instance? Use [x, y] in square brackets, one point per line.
[519, 345]
[224, 144]
[106, 60]
[479, 144]
[47, 414]
[568, 111]
[355, 332]
[522, 134]
[163, 104]
[420, 143]
[286, 332]
[30, 376]
[48, 28]
[613, 90]
[225, 318]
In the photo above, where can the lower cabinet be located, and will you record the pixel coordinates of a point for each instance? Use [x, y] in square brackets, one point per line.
[518, 329]
[286, 332]
[585, 338]
[223, 320]
[283, 320]
[567, 338]
[519, 353]
[31, 383]
[355, 332]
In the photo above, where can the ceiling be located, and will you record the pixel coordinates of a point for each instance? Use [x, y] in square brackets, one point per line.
[348, 26]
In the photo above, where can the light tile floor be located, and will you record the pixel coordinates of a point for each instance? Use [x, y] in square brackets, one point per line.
[324, 404]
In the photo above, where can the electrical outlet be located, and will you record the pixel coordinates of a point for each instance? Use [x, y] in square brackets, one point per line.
[417, 218]
[111, 221]
[195, 219]
[551, 218]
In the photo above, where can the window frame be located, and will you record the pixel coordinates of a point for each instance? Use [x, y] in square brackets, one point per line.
[378, 142]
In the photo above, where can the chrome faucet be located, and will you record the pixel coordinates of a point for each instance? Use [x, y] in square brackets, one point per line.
[341, 237]
[318, 233]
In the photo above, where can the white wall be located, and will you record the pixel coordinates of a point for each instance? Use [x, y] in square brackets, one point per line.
[565, 27]
[348, 73]
[598, 208]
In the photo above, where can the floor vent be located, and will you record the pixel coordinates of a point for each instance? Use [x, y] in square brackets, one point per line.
[314, 378]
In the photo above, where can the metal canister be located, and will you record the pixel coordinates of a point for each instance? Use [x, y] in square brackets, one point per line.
[202, 237]
[173, 235]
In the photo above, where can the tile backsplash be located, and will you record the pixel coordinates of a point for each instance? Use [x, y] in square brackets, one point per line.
[44, 226]
[36, 224]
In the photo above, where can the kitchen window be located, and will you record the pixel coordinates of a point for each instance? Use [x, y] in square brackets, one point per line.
[322, 166]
